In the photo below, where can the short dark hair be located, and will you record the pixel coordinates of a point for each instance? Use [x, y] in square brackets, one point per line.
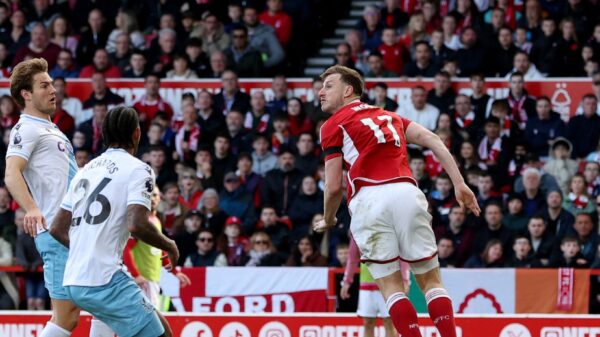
[245, 155]
[517, 73]
[240, 26]
[381, 85]
[348, 76]
[119, 125]
[500, 104]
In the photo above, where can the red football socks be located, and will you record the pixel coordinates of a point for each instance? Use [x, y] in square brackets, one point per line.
[403, 315]
[440, 311]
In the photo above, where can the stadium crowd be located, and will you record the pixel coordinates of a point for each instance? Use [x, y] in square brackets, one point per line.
[241, 177]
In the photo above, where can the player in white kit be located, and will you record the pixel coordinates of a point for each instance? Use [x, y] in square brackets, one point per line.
[107, 200]
[39, 166]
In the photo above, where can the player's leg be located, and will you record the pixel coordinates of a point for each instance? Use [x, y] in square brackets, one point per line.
[368, 310]
[402, 312]
[165, 324]
[439, 303]
[369, 326]
[100, 329]
[382, 312]
[388, 325]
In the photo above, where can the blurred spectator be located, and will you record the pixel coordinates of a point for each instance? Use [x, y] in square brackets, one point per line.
[9, 112]
[275, 17]
[451, 39]
[504, 54]
[158, 163]
[469, 158]
[278, 229]
[262, 38]
[533, 196]
[59, 32]
[584, 130]
[441, 198]
[513, 218]
[358, 53]
[137, 65]
[521, 257]
[376, 67]
[40, 46]
[190, 188]
[582, 14]
[186, 236]
[212, 34]
[493, 229]
[230, 97]
[234, 244]
[125, 23]
[5, 62]
[281, 185]
[558, 220]
[522, 65]
[560, 165]
[446, 253]
[481, 102]
[577, 199]
[214, 216]
[490, 257]
[197, 58]
[570, 255]
[546, 52]
[258, 119]
[417, 168]
[263, 159]
[522, 40]
[28, 257]
[171, 209]
[306, 254]
[242, 58]
[240, 137]
[571, 49]
[250, 180]
[464, 124]
[440, 53]
[65, 67]
[587, 237]
[218, 64]
[280, 99]
[459, 232]
[532, 19]
[442, 95]
[392, 52]
[485, 190]
[122, 54]
[380, 98]
[306, 160]
[101, 94]
[471, 55]
[61, 118]
[415, 32]
[305, 206]
[298, 120]
[313, 107]
[419, 110]
[82, 157]
[161, 60]
[8, 230]
[591, 172]
[9, 295]
[262, 253]
[422, 65]
[234, 15]
[211, 122]
[206, 255]
[223, 160]
[100, 64]
[392, 15]
[92, 128]
[523, 107]
[370, 27]
[235, 201]
[17, 36]
[150, 103]
[93, 38]
[188, 137]
[541, 129]
[204, 169]
[542, 241]
[343, 53]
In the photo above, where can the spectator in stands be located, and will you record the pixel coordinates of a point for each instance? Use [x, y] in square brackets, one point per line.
[306, 160]
[542, 241]
[558, 220]
[162, 59]
[230, 97]
[584, 130]
[370, 27]
[197, 58]
[120, 57]
[358, 53]
[218, 64]
[560, 165]
[277, 18]
[262, 38]
[533, 196]
[313, 107]
[343, 53]
[278, 229]
[522, 65]
[480, 101]
[393, 16]
[137, 65]
[591, 172]
[514, 218]
[306, 254]
[65, 67]
[9, 295]
[149, 104]
[282, 184]
[417, 168]
[235, 201]
[392, 52]
[493, 229]
[93, 38]
[440, 53]
[223, 160]
[158, 163]
[547, 52]
[542, 128]
[419, 110]
[459, 232]
[491, 256]
[82, 157]
[40, 46]
[62, 119]
[422, 65]
[522, 40]
[586, 235]
[298, 120]
[101, 64]
[92, 128]
[206, 255]
[17, 37]
[485, 190]
[28, 257]
[212, 34]
[190, 187]
[521, 257]
[493, 149]
[441, 198]
[532, 19]
[59, 32]
[570, 256]
[258, 119]
[465, 122]
[442, 95]
[9, 112]
[5, 62]
[469, 157]
[446, 251]
[380, 98]
[214, 217]
[503, 54]
[240, 138]
[280, 99]
[250, 180]
[451, 39]
[101, 94]
[204, 168]
[577, 199]
[233, 243]
[171, 209]
[376, 68]
[263, 159]
[8, 230]
[305, 206]
[210, 121]
[125, 23]
[181, 69]
[471, 55]
[262, 252]
[244, 59]
[523, 107]
[281, 137]
[185, 236]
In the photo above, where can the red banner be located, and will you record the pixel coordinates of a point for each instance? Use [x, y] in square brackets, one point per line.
[30, 324]
[565, 94]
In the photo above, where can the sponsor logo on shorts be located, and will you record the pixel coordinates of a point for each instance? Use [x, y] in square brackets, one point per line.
[148, 307]
[515, 330]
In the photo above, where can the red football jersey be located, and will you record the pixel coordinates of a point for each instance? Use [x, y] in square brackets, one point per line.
[372, 142]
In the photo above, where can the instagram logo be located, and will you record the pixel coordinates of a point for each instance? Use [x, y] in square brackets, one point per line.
[310, 331]
[551, 332]
[515, 330]
[274, 329]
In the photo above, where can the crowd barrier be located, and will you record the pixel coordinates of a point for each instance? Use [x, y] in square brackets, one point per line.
[30, 324]
[306, 289]
[564, 93]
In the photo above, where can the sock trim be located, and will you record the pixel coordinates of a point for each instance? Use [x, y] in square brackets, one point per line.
[395, 297]
[434, 293]
[57, 327]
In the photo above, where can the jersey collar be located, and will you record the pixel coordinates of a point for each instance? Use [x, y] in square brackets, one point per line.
[35, 119]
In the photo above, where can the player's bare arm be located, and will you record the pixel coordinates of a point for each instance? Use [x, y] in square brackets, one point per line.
[333, 193]
[417, 134]
[60, 226]
[140, 227]
[18, 189]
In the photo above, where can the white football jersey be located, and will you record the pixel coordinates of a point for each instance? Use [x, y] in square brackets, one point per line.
[98, 199]
[50, 161]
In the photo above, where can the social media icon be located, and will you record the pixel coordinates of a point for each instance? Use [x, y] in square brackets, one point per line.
[310, 331]
[196, 329]
[551, 332]
[274, 329]
[515, 330]
[235, 329]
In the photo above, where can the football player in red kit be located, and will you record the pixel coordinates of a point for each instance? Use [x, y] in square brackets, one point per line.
[389, 213]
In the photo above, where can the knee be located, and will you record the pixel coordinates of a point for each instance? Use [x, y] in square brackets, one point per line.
[369, 322]
[67, 322]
